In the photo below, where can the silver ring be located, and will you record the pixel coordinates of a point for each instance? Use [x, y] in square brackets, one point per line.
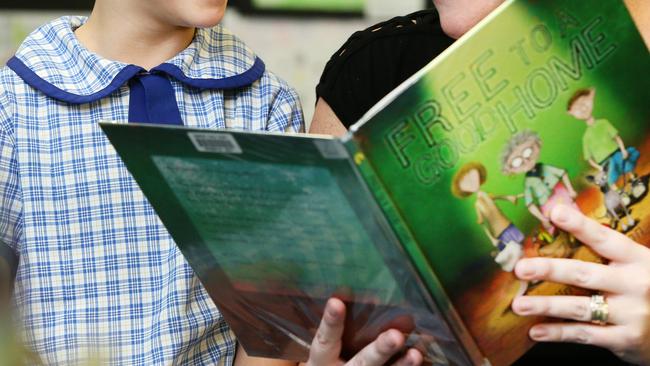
[599, 309]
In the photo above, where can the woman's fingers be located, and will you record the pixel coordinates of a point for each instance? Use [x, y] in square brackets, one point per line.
[625, 280]
[586, 275]
[614, 337]
[606, 242]
[569, 307]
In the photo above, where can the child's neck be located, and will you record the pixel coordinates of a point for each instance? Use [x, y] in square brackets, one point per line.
[132, 39]
[590, 121]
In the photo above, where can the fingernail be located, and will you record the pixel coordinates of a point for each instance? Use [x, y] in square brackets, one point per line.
[389, 341]
[538, 333]
[333, 313]
[522, 306]
[561, 214]
[526, 269]
[331, 310]
[392, 344]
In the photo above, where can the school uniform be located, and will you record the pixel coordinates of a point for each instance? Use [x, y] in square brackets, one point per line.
[97, 272]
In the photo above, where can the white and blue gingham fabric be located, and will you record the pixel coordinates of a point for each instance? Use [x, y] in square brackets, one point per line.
[98, 274]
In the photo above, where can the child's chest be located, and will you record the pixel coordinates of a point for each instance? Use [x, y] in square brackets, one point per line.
[69, 172]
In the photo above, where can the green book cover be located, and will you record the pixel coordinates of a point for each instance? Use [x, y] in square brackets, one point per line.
[476, 149]
[417, 217]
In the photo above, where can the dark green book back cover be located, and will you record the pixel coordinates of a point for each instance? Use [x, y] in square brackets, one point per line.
[545, 102]
[274, 225]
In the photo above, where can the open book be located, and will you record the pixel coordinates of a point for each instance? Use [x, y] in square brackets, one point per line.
[416, 218]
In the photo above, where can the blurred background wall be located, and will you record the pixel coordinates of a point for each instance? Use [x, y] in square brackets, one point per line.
[294, 37]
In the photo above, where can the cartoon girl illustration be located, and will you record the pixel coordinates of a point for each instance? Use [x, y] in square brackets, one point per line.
[546, 186]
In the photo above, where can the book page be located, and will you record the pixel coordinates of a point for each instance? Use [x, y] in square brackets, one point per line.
[248, 213]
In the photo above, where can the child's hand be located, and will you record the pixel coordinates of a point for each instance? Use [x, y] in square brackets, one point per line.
[326, 346]
[625, 284]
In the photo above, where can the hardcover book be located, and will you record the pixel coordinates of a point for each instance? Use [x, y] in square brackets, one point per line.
[417, 217]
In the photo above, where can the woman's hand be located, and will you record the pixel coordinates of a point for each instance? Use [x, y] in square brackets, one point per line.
[624, 282]
[326, 346]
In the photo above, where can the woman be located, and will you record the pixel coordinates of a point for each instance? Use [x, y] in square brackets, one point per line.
[626, 279]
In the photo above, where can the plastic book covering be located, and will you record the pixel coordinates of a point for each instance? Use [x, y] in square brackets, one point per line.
[273, 226]
[417, 217]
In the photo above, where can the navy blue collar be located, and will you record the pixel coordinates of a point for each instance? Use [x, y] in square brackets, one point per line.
[53, 61]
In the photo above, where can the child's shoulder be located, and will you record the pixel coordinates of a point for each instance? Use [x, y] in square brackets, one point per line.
[220, 55]
[8, 82]
[49, 44]
[230, 64]
[54, 62]
[51, 60]
[6, 99]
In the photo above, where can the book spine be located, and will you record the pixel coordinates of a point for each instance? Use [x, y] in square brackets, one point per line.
[391, 213]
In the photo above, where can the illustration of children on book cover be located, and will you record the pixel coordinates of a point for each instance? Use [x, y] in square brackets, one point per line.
[545, 105]
[613, 190]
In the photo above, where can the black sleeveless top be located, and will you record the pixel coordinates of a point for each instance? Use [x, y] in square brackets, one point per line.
[376, 60]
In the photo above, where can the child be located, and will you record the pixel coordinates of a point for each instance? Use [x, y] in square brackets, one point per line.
[468, 181]
[503, 234]
[98, 273]
[546, 186]
[97, 270]
[602, 145]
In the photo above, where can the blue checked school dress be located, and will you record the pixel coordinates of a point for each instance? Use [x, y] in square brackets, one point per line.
[98, 275]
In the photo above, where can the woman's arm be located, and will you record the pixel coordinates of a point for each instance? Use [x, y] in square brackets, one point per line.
[641, 14]
[325, 121]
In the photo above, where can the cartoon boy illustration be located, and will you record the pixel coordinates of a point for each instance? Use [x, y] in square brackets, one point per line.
[545, 185]
[503, 234]
[602, 145]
